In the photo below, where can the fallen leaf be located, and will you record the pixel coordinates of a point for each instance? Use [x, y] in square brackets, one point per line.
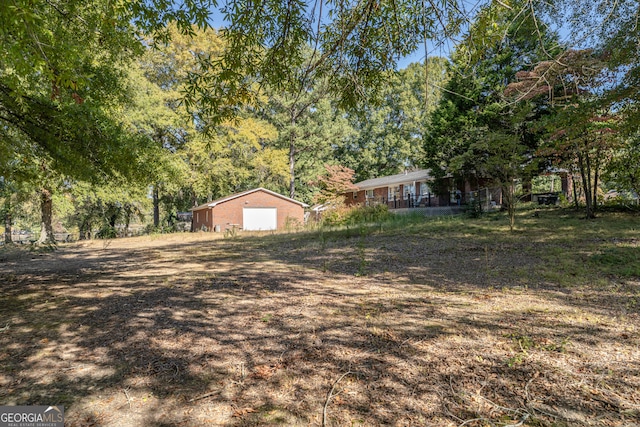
[239, 413]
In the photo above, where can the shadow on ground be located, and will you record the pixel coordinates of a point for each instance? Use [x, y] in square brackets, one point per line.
[312, 330]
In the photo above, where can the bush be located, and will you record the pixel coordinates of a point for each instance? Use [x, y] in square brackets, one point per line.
[335, 216]
[368, 214]
[107, 232]
[356, 215]
[474, 209]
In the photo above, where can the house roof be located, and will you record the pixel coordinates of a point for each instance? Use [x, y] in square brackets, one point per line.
[244, 193]
[403, 178]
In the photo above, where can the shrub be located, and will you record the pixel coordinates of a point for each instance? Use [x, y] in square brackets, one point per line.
[335, 216]
[474, 209]
[356, 215]
[107, 232]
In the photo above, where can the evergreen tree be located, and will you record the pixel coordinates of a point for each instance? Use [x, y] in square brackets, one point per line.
[475, 133]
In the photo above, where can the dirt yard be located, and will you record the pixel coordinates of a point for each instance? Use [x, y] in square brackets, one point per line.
[370, 328]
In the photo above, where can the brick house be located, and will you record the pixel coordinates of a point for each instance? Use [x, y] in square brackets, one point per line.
[405, 190]
[252, 210]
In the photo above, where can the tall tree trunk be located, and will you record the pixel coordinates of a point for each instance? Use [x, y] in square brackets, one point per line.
[586, 186]
[46, 207]
[509, 195]
[194, 203]
[292, 159]
[575, 191]
[526, 189]
[587, 160]
[156, 207]
[128, 212]
[7, 220]
[85, 230]
[596, 176]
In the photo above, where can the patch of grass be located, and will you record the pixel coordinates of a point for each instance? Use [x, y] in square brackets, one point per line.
[526, 343]
[620, 261]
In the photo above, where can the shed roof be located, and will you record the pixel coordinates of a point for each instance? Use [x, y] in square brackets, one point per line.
[244, 193]
[403, 178]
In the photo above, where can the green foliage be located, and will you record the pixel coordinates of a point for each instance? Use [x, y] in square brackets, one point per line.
[64, 68]
[49, 48]
[107, 210]
[388, 134]
[618, 37]
[356, 215]
[580, 134]
[474, 133]
[238, 157]
[623, 171]
[74, 109]
[474, 208]
[352, 46]
[107, 232]
[309, 126]
[239, 154]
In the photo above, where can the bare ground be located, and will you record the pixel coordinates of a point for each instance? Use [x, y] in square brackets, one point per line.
[317, 329]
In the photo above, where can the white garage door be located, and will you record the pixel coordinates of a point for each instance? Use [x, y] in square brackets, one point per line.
[259, 219]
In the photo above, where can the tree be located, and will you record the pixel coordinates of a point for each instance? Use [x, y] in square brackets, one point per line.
[503, 156]
[61, 77]
[154, 113]
[475, 133]
[584, 140]
[18, 173]
[8, 193]
[103, 208]
[310, 128]
[388, 135]
[241, 155]
[351, 46]
[579, 133]
[48, 46]
[63, 68]
[624, 168]
[612, 30]
[333, 183]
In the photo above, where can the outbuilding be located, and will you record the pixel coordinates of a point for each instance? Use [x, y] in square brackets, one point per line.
[254, 210]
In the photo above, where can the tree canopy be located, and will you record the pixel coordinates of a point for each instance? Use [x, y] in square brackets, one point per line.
[146, 94]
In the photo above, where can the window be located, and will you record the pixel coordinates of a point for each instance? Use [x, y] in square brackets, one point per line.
[424, 188]
[394, 192]
[369, 194]
[409, 190]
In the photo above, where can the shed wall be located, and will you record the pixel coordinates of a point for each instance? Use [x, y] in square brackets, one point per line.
[229, 214]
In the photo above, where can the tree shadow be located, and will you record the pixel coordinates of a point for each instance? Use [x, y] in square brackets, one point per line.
[257, 331]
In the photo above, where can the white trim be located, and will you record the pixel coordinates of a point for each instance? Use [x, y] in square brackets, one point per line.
[395, 180]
